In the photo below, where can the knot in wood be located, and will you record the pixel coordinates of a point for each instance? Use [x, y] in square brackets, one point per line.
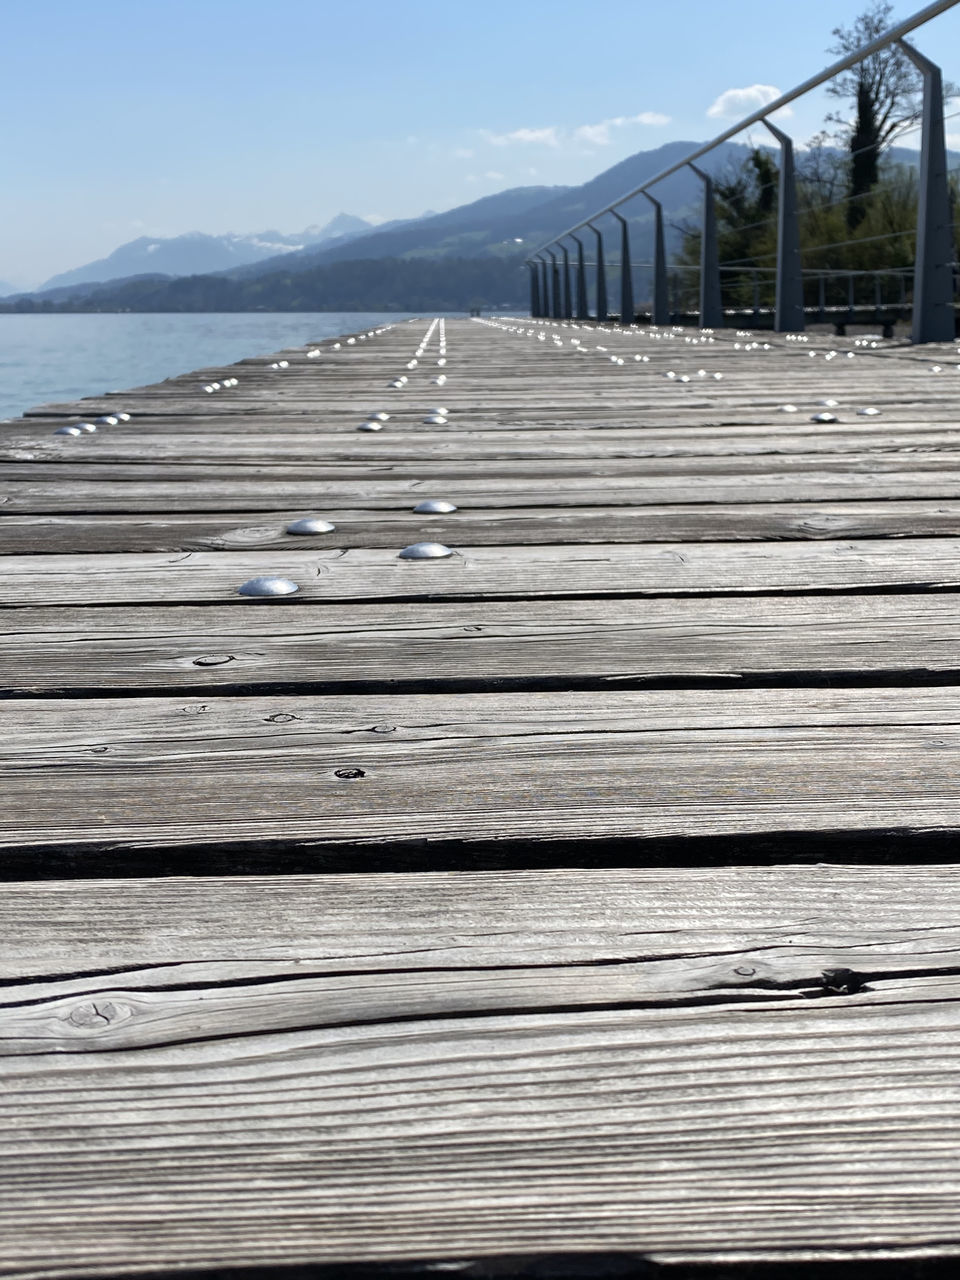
[93, 1014]
[349, 773]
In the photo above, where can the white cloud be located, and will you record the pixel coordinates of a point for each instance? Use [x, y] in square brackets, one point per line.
[595, 135]
[586, 134]
[462, 153]
[548, 137]
[494, 176]
[733, 103]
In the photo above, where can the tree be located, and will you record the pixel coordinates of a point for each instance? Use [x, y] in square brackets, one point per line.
[745, 204]
[886, 92]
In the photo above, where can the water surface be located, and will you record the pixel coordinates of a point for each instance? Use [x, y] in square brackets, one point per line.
[63, 357]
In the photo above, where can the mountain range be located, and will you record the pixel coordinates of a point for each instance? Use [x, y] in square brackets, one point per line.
[197, 253]
[206, 272]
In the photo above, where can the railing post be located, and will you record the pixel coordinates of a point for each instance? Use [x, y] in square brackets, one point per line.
[534, 288]
[711, 305]
[601, 277]
[661, 295]
[582, 309]
[544, 288]
[788, 315]
[626, 272]
[556, 311]
[933, 314]
[567, 298]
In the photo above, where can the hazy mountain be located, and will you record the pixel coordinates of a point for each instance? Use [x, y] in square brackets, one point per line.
[365, 284]
[477, 229]
[377, 268]
[519, 219]
[6, 287]
[199, 254]
[73, 292]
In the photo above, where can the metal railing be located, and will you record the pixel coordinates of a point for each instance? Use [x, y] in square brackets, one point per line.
[553, 293]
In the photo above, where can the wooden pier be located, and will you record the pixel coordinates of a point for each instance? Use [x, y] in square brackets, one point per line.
[584, 903]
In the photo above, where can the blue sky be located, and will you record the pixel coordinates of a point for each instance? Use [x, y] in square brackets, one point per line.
[156, 117]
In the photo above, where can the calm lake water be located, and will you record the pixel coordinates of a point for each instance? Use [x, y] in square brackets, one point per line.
[46, 358]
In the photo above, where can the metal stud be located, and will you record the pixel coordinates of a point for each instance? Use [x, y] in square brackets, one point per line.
[425, 551]
[788, 408]
[268, 586]
[370, 426]
[68, 431]
[441, 409]
[379, 416]
[311, 524]
[108, 420]
[868, 412]
[434, 507]
[88, 427]
[829, 404]
[435, 419]
[824, 417]
[125, 417]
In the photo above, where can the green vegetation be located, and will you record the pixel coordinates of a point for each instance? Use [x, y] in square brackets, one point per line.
[881, 244]
[885, 92]
[375, 284]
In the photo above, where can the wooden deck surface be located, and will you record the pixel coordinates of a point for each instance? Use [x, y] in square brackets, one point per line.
[586, 901]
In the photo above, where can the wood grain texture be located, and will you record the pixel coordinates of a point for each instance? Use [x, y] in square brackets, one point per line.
[673, 1075]
[520, 526]
[477, 643]
[529, 571]
[470, 768]
[387, 493]
[698, 1062]
[407, 440]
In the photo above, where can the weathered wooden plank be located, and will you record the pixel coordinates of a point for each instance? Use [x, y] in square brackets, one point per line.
[478, 643]
[269, 1151]
[404, 441]
[74, 934]
[383, 492]
[550, 1128]
[537, 470]
[520, 526]
[700, 568]
[351, 772]
[220, 1073]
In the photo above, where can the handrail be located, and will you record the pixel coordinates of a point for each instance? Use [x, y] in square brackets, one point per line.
[844, 64]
